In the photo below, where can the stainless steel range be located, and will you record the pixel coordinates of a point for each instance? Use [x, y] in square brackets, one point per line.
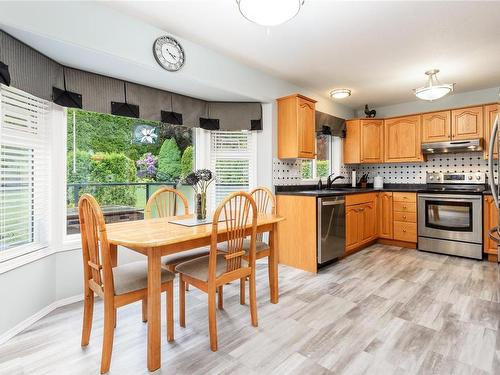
[450, 214]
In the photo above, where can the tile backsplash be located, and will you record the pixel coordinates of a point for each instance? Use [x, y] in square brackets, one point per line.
[288, 172]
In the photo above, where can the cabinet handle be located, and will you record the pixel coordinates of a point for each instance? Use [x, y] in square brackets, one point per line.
[404, 207]
[404, 230]
[404, 217]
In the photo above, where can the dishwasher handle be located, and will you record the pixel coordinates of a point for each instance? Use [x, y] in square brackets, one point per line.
[332, 203]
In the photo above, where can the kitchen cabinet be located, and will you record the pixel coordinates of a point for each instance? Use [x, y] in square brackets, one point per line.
[385, 215]
[490, 112]
[490, 220]
[296, 127]
[361, 220]
[364, 142]
[436, 127]
[402, 139]
[405, 217]
[467, 123]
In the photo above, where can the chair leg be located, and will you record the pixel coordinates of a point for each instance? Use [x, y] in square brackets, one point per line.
[107, 339]
[220, 297]
[144, 310]
[212, 319]
[170, 311]
[253, 299]
[88, 312]
[242, 291]
[182, 302]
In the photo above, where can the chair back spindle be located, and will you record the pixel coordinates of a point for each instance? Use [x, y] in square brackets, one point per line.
[265, 202]
[165, 203]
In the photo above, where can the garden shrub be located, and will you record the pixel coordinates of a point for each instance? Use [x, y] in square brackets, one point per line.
[169, 161]
[187, 161]
[322, 168]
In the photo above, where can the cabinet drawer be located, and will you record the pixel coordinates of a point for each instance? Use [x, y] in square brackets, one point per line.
[404, 206]
[408, 217]
[405, 231]
[353, 199]
[404, 197]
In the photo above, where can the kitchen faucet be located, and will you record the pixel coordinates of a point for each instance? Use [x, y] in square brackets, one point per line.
[329, 180]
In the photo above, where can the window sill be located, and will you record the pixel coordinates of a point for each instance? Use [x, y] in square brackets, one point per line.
[11, 263]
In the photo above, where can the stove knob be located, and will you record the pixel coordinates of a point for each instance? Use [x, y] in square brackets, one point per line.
[470, 177]
[438, 178]
[431, 178]
[478, 177]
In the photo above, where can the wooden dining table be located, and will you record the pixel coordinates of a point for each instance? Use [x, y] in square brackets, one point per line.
[158, 237]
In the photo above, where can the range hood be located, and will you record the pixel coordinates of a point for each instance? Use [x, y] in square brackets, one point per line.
[452, 146]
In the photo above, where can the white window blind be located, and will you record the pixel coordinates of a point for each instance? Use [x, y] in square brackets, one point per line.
[232, 158]
[24, 171]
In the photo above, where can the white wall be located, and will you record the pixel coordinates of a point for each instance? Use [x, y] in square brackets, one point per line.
[451, 101]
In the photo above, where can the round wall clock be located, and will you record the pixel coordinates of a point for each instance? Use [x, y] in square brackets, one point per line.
[168, 53]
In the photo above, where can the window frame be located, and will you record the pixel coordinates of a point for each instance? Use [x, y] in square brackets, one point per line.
[332, 161]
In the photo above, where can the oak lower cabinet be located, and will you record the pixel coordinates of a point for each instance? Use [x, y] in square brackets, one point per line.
[490, 112]
[297, 233]
[402, 139]
[467, 123]
[405, 217]
[490, 220]
[385, 215]
[361, 220]
[296, 127]
[364, 141]
[436, 127]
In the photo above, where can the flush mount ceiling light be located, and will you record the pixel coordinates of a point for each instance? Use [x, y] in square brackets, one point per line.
[434, 89]
[269, 12]
[340, 93]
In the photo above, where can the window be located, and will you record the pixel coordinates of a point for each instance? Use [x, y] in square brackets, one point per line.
[322, 165]
[121, 161]
[232, 158]
[24, 168]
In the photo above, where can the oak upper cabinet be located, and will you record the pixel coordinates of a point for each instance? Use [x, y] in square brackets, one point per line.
[467, 123]
[436, 127]
[402, 139]
[490, 112]
[490, 220]
[364, 142]
[385, 215]
[296, 127]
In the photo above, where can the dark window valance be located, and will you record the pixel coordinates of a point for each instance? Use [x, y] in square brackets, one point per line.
[4, 74]
[41, 76]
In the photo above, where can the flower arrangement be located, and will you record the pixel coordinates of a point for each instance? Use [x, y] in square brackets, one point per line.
[200, 180]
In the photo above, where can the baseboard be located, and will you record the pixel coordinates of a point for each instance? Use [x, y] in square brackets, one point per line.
[18, 328]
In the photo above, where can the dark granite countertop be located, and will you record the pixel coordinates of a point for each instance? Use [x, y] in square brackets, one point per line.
[312, 191]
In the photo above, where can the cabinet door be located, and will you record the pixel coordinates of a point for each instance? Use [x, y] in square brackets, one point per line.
[490, 220]
[402, 139]
[385, 215]
[351, 145]
[372, 141]
[490, 112]
[467, 123]
[351, 227]
[306, 128]
[436, 127]
[368, 224]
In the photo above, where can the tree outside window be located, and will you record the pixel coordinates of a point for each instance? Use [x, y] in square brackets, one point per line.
[321, 166]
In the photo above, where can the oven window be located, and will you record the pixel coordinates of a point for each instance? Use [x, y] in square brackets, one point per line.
[452, 216]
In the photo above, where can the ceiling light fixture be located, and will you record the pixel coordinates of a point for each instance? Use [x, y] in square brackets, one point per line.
[434, 89]
[340, 93]
[269, 12]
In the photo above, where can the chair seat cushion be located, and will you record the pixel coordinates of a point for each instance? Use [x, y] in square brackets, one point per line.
[198, 268]
[184, 256]
[134, 276]
[259, 246]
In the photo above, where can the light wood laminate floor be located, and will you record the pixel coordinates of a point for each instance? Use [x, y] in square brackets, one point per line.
[384, 310]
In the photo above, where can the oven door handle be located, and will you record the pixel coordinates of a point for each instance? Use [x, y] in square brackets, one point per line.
[448, 197]
[491, 178]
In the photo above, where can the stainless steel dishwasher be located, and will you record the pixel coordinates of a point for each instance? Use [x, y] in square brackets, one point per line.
[331, 228]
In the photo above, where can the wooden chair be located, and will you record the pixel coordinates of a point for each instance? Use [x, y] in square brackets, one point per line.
[210, 273]
[266, 203]
[118, 286]
[166, 202]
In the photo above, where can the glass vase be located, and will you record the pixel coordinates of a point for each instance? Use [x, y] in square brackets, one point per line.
[201, 206]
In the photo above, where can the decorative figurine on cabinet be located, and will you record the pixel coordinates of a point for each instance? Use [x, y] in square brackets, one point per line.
[370, 113]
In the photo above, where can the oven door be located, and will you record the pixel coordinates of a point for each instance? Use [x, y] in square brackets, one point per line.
[452, 217]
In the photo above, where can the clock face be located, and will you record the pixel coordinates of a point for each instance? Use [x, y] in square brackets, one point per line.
[168, 53]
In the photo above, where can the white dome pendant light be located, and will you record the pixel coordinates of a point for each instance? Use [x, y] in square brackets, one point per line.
[269, 12]
[434, 89]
